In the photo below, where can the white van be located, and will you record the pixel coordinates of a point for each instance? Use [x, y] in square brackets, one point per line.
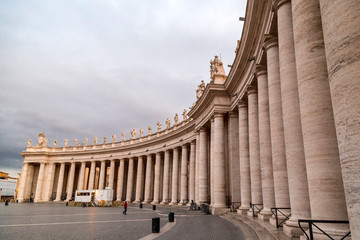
[84, 195]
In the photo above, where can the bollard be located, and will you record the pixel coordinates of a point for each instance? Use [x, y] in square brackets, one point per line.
[141, 205]
[156, 225]
[171, 217]
[83, 204]
[67, 204]
[154, 207]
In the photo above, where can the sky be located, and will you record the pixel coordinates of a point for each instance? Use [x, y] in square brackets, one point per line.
[85, 68]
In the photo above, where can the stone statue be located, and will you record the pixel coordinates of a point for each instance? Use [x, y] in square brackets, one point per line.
[75, 142]
[85, 142]
[29, 143]
[95, 140]
[123, 137]
[184, 115]
[114, 138]
[159, 126]
[217, 71]
[133, 133]
[200, 89]
[176, 118]
[141, 132]
[105, 139]
[66, 142]
[42, 141]
[168, 123]
[54, 143]
[149, 130]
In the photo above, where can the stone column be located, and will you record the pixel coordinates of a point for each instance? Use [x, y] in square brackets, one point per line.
[267, 177]
[148, 179]
[29, 181]
[166, 177]
[139, 181]
[197, 160]
[244, 158]
[184, 175]
[298, 185]
[157, 178]
[234, 163]
[102, 175]
[70, 183]
[130, 181]
[60, 182]
[340, 23]
[112, 174]
[326, 192]
[203, 166]
[120, 183]
[23, 182]
[254, 151]
[192, 172]
[49, 182]
[281, 186]
[92, 175]
[175, 177]
[39, 184]
[219, 161]
[80, 185]
[212, 185]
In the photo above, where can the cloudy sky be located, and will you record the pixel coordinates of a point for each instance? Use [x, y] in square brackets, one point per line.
[84, 68]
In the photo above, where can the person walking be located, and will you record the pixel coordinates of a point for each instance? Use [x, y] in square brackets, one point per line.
[125, 207]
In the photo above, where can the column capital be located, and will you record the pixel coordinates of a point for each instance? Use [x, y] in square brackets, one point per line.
[270, 41]
[233, 114]
[203, 129]
[218, 114]
[184, 145]
[242, 104]
[278, 3]
[250, 90]
[193, 142]
[260, 70]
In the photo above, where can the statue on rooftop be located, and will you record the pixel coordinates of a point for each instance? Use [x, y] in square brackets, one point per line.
[95, 140]
[29, 143]
[168, 123]
[133, 133]
[141, 132]
[200, 89]
[123, 137]
[113, 138]
[42, 141]
[75, 142]
[176, 118]
[85, 142]
[217, 71]
[66, 142]
[54, 143]
[105, 139]
[149, 130]
[159, 126]
[185, 115]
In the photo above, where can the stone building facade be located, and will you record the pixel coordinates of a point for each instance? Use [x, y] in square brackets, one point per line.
[281, 130]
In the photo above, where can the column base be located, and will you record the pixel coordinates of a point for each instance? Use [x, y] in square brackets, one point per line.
[145, 202]
[291, 230]
[243, 210]
[164, 203]
[155, 202]
[57, 200]
[181, 204]
[250, 212]
[219, 210]
[136, 201]
[20, 200]
[173, 203]
[38, 200]
[265, 215]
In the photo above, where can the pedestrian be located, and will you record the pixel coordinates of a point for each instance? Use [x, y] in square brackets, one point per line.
[125, 207]
[7, 202]
[192, 205]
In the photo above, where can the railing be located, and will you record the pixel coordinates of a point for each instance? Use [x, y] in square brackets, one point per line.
[275, 211]
[234, 206]
[312, 222]
[256, 208]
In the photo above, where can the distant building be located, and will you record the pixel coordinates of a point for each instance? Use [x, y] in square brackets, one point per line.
[8, 186]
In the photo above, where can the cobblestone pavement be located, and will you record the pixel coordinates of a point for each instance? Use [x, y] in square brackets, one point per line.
[57, 221]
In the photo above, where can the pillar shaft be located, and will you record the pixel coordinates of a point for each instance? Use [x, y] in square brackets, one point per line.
[219, 161]
[340, 23]
[130, 180]
[212, 173]
[112, 174]
[327, 199]
[233, 153]
[175, 177]
[184, 175]
[298, 185]
[157, 178]
[70, 183]
[147, 197]
[92, 175]
[102, 175]
[50, 174]
[166, 177]
[192, 172]
[254, 151]
[80, 185]
[203, 166]
[23, 182]
[60, 182]
[39, 184]
[120, 183]
[281, 186]
[244, 157]
[267, 178]
[197, 160]
[140, 178]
